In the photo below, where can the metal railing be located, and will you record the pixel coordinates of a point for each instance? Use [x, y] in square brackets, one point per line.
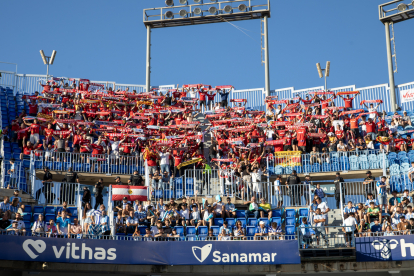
[88, 163]
[55, 193]
[328, 162]
[312, 237]
[143, 237]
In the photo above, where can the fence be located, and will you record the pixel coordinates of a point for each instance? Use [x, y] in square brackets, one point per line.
[16, 180]
[88, 163]
[315, 237]
[327, 162]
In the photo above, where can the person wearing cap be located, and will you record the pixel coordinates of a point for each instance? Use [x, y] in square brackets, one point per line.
[394, 201]
[12, 173]
[47, 187]
[229, 209]
[369, 181]
[218, 208]
[382, 193]
[14, 229]
[225, 227]
[397, 215]
[135, 179]
[261, 231]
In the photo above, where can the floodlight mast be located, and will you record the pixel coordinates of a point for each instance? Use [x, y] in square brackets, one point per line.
[206, 13]
[48, 60]
[394, 14]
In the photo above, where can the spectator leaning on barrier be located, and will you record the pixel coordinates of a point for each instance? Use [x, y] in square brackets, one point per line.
[350, 227]
[39, 226]
[63, 224]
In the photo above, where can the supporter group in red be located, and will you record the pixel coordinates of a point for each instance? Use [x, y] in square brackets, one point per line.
[161, 126]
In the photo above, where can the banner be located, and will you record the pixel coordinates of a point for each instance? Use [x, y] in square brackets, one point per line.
[189, 162]
[407, 95]
[385, 248]
[132, 193]
[288, 158]
[100, 251]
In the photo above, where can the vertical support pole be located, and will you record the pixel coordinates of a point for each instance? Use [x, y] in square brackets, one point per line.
[390, 67]
[384, 165]
[326, 86]
[148, 64]
[267, 76]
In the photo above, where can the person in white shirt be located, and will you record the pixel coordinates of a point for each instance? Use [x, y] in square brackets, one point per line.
[256, 180]
[269, 134]
[185, 215]
[371, 108]
[115, 146]
[218, 208]
[351, 225]
[278, 192]
[165, 160]
[319, 221]
[323, 206]
[192, 93]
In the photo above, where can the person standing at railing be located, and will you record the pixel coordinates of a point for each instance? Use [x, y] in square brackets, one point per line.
[47, 187]
[305, 235]
[98, 193]
[320, 220]
[382, 194]
[319, 192]
[63, 224]
[324, 210]
[369, 181]
[351, 225]
[338, 180]
[224, 98]
[293, 180]
[12, 173]
[278, 192]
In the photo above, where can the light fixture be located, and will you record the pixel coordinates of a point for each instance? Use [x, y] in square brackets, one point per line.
[43, 56]
[52, 58]
[318, 66]
[242, 7]
[228, 9]
[183, 13]
[183, 2]
[197, 11]
[169, 3]
[402, 7]
[212, 10]
[328, 66]
[198, 1]
[169, 15]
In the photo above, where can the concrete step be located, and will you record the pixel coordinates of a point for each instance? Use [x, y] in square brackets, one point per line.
[27, 199]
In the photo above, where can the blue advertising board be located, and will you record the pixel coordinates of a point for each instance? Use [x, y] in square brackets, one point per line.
[149, 252]
[385, 248]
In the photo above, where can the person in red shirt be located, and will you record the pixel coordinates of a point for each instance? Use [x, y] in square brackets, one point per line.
[354, 125]
[348, 101]
[287, 144]
[33, 108]
[34, 130]
[210, 98]
[27, 150]
[339, 133]
[301, 137]
[370, 125]
[203, 95]
[178, 158]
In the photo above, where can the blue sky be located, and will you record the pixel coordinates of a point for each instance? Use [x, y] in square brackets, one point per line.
[106, 40]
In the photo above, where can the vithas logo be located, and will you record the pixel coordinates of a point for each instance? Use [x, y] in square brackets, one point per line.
[39, 246]
[69, 251]
[201, 253]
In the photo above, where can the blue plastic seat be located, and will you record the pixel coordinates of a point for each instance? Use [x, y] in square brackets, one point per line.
[401, 155]
[50, 210]
[373, 161]
[290, 213]
[203, 230]
[404, 168]
[303, 212]
[252, 222]
[250, 231]
[28, 209]
[290, 221]
[290, 230]
[48, 217]
[394, 169]
[179, 230]
[326, 167]
[38, 209]
[216, 230]
[142, 230]
[231, 222]
[191, 230]
[363, 162]
[277, 213]
[240, 214]
[316, 167]
[27, 217]
[73, 211]
[218, 221]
